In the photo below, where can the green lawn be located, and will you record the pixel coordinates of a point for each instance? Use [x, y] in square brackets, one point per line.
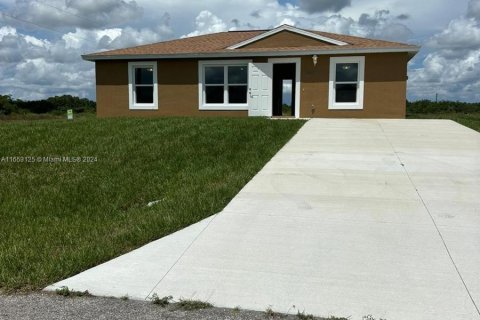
[58, 218]
[471, 120]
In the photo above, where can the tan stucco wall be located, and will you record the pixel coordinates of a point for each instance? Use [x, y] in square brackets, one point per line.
[385, 88]
[384, 97]
[284, 39]
[177, 90]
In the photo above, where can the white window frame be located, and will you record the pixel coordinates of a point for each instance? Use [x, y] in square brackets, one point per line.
[201, 85]
[131, 85]
[332, 104]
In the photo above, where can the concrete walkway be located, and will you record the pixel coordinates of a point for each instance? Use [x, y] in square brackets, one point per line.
[351, 217]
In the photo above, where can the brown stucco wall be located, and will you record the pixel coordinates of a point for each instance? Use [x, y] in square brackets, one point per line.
[385, 88]
[177, 90]
[284, 39]
[384, 97]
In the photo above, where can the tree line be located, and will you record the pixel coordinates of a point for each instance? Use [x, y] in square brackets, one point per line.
[428, 106]
[60, 104]
[54, 105]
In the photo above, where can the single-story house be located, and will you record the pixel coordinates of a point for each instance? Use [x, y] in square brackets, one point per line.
[253, 73]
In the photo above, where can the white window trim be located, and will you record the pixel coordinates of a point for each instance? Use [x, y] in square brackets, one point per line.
[131, 85]
[201, 86]
[360, 88]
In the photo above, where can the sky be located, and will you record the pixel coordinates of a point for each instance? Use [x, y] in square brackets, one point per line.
[41, 40]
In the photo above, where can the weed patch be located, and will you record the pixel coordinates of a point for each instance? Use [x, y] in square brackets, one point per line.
[66, 292]
[303, 316]
[189, 305]
[162, 302]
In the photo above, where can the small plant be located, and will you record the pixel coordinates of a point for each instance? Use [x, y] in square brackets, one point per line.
[187, 304]
[66, 292]
[337, 318]
[269, 313]
[370, 317]
[237, 309]
[124, 298]
[162, 302]
[303, 316]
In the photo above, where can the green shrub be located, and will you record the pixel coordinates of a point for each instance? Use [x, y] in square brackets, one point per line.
[428, 106]
[7, 106]
[54, 105]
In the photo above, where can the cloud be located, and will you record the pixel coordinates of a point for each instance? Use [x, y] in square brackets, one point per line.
[372, 21]
[460, 37]
[315, 6]
[451, 66]
[287, 87]
[132, 37]
[206, 22]
[7, 30]
[394, 32]
[336, 24]
[256, 14]
[37, 63]
[34, 68]
[236, 24]
[452, 79]
[473, 10]
[380, 25]
[87, 14]
[15, 47]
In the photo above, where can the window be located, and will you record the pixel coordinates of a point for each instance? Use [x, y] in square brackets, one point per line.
[346, 83]
[223, 85]
[214, 84]
[142, 83]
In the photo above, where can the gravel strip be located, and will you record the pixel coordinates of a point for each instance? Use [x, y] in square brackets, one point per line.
[47, 306]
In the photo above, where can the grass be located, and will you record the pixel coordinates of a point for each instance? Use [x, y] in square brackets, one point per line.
[305, 316]
[183, 304]
[471, 119]
[59, 218]
[286, 110]
[189, 305]
[66, 292]
[269, 313]
[43, 116]
[162, 302]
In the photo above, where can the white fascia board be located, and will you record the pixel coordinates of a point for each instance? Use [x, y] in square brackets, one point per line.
[241, 54]
[287, 28]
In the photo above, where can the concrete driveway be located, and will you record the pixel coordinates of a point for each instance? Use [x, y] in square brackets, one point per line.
[351, 217]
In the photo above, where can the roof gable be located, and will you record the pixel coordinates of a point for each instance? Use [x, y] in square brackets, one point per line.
[286, 39]
[290, 29]
[216, 46]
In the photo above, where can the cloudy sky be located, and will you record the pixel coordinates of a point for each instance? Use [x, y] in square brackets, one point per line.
[41, 40]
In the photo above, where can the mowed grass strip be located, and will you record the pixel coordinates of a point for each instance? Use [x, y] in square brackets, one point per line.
[471, 119]
[57, 219]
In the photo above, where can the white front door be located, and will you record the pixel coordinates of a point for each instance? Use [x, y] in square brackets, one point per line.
[260, 89]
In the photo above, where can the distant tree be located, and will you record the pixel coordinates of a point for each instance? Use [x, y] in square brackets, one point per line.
[7, 105]
[65, 102]
[35, 106]
[57, 104]
[428, 106]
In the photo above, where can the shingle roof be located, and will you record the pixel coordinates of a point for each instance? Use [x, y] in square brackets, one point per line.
[217, 43]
